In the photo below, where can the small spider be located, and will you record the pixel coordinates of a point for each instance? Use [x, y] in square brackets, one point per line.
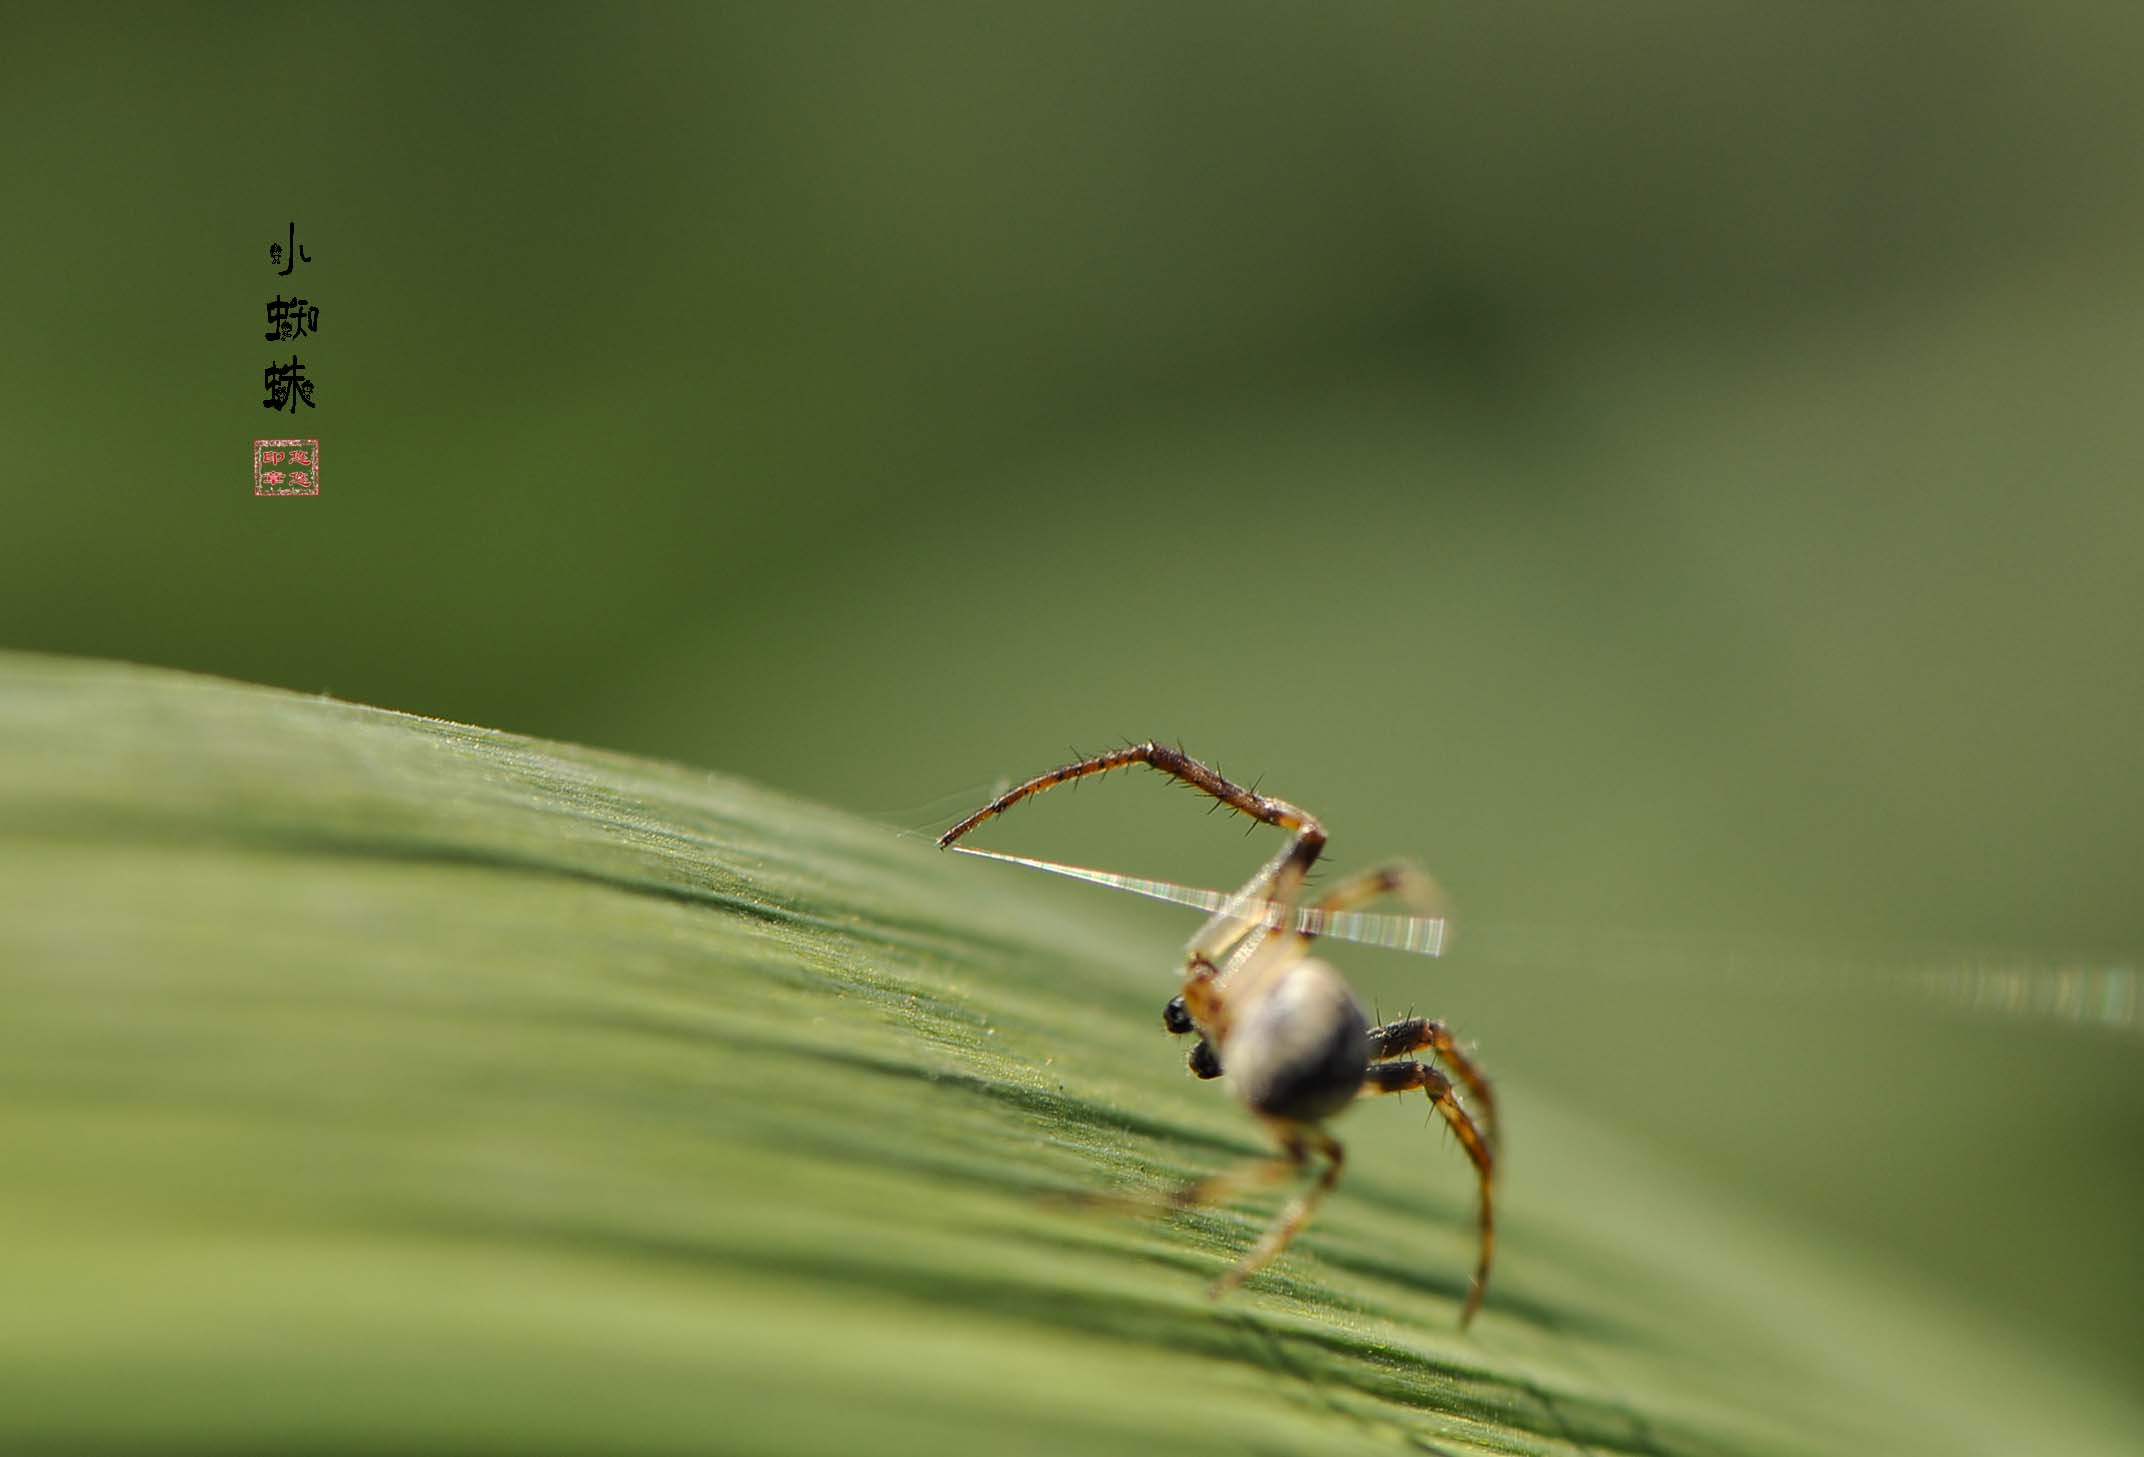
[1283, 1026]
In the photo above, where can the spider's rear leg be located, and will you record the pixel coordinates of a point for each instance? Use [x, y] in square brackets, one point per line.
[1296, 1143]
[1213, 1189]
[1412, 1034]
[1401, 1077]
[1295, 1139]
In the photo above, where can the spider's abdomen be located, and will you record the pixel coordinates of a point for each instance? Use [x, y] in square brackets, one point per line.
[1299, 1049]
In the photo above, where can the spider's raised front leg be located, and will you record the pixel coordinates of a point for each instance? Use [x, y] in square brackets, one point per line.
[1269, 894]
[1309, 835]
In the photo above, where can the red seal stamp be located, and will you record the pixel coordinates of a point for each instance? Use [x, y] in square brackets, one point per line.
[286, 467]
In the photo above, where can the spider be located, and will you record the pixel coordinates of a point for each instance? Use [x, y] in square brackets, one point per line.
[1282, 1025]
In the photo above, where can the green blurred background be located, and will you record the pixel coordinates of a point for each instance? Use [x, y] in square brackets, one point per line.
[1670, 468]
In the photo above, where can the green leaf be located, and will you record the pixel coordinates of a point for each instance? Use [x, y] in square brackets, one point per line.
[373, 1083]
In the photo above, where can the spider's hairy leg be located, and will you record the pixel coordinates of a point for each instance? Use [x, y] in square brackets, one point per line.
[1412, 1034]
[1296, 1139]
[1213, 1189]
[1171, 761]
[1257, 913]
[1273, 891]
[1402, 879]
[1401, 1077]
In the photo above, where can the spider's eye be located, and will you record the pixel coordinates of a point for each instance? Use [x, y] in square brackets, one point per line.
[1203, 1061]
[1175, 1017]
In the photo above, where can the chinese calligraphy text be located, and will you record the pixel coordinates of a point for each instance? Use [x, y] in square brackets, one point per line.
[288, 467]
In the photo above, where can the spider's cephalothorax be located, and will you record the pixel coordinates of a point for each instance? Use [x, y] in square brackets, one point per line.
[1282, 1026]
